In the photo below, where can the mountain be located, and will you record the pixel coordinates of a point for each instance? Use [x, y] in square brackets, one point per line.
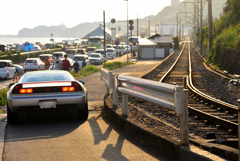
[165, 16]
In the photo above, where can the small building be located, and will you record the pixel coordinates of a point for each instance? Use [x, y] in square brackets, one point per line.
[155, 47]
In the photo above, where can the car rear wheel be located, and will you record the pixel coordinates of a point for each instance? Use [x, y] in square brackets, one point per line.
[12, 118]
[83, 114]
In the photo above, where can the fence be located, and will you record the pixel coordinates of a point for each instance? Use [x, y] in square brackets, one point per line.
[165, 95]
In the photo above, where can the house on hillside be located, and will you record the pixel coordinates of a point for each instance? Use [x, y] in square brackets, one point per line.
[155, 47]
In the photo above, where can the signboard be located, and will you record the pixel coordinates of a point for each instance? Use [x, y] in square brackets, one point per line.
[131, 27]
[117, 42]
[27, 44]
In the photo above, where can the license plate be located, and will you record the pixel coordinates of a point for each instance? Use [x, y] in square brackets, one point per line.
[47, 104]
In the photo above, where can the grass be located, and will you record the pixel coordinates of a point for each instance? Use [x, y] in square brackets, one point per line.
[115, 64]
[3, 97]
[89, 69]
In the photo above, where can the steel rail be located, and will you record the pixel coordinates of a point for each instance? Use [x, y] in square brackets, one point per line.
[223, 105]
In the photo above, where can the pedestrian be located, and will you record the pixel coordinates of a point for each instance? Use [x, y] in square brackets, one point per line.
[76, 66]
[57, 63]
[83, 63]
[65, 63]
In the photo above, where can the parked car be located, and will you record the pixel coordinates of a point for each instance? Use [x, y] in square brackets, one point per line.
[109, 46]
[48, 91]
[61, 54]
[91, 50]
[19, 68]
[82, 51]
[80, 58]
[128, 48]
[101, 51]
[96, 58]
[33, 64]
[37, 48]
[71, 52]
[119, 49]
[7, 70]
[111, 53]
[47, 59]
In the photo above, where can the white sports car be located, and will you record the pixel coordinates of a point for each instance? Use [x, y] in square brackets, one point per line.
[46, 91]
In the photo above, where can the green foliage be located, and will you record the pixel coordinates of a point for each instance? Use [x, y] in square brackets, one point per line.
[176, 41]
[89, 69]
[3, 96]
[115, 64]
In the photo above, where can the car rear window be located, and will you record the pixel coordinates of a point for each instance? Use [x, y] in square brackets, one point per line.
[60, 54]
[30, 61]
[70, 52]
[110, 50]
[80, 51]
[3, 64]
[78, 58]
[44, 57]
[94, 56]
[46, 77]
[101, 52]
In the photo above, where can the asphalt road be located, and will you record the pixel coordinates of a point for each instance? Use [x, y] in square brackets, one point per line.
[61, 138]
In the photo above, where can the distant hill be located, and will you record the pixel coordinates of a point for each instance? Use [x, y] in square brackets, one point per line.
[167, 15]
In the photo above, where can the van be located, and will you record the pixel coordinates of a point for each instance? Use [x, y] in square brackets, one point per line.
[7, 70]
[109, 46]
[71, 52]
[119, 49]
[82, 51]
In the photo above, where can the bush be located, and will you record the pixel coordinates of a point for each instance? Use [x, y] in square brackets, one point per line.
[176, 41]
[3, 96]
[115, 64]
[87, 70]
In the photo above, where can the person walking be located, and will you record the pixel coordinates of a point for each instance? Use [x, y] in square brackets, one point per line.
[76, 66]
[57, 63]
[83, 63]
[65, 63]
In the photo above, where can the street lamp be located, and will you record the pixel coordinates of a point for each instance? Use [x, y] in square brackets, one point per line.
[127, 27]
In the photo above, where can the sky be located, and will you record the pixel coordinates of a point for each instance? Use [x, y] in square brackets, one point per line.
[18, 14]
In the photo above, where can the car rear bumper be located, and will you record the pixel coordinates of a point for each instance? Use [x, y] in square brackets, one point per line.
[3, 74]
[17, 102]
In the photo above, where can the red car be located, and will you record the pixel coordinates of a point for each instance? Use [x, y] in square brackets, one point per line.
[47, 59]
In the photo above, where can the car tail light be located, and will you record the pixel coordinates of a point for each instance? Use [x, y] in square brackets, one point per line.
[35, 63]
[25, 64]
[5, 68]
[28, 90]
[68, 89]
[77, 86]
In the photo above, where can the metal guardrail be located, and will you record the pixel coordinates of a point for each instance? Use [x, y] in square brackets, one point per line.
[165, 95]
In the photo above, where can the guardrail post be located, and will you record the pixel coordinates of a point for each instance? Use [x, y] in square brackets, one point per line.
[222, 79]
[229, 86]
[184, 119]
[115, 93]
[184, 81]
[124, 104]
[239, 129]
[178, 97]
[110, 82]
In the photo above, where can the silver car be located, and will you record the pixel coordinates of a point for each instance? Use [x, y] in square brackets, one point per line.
[33, 64]
[96, 58]
[46, 91]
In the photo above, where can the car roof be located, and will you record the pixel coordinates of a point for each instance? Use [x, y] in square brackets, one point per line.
[59, 52]
[31, 58]
[47, 71]
[100, 50]
[46, 55]
[111, 48]
[80, 56]
[95, 54]
[5, 60]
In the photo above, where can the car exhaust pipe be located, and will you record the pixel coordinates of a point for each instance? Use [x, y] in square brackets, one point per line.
[22, 113]
[73, 111]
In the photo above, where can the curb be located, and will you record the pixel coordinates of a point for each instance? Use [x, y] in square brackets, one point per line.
[158, 140]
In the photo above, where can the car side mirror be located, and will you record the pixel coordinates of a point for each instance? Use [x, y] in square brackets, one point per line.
[82, 82]
[10, 85]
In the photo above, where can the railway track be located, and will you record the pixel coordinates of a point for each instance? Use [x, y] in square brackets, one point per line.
[202, 106]
[208, 118]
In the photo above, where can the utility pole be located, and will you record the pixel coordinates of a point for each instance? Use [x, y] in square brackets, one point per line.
[104, 40]
[149, 26]
[201, 8]
[210, 23]
[177, 27]
[197, 10]
[137, 24]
